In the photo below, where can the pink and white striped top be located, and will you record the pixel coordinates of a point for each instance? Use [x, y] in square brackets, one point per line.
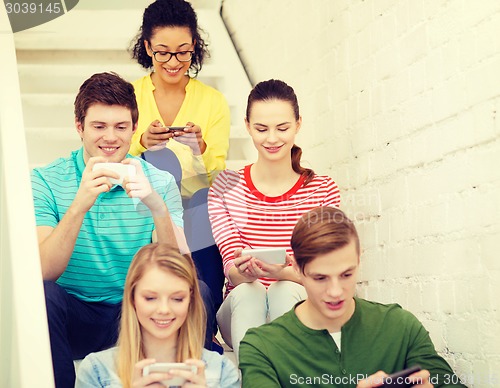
[243, 217]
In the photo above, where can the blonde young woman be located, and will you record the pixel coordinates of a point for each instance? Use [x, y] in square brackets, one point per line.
[163, 320]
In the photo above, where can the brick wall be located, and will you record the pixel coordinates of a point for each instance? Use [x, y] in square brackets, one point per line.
[400, 100]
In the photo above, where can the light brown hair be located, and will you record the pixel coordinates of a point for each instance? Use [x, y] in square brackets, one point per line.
[320, 231]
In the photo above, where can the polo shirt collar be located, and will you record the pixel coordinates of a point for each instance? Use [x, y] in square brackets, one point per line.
[78, 160]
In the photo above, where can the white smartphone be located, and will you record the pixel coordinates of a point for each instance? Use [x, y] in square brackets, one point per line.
[124, 170]
[267, 255]
[165, 367]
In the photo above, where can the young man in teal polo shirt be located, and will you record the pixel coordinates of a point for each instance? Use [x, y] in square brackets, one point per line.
[334, 339]
[89, 228]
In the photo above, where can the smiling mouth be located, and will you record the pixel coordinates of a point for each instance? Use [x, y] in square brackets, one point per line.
[173, 71]
[162, 322]
[275, 148]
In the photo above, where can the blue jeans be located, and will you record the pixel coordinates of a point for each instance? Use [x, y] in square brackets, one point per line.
[77, 328]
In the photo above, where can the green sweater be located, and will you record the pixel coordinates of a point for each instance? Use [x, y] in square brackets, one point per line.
[285, 353]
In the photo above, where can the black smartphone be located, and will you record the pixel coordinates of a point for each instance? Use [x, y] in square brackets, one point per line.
[175, 129]
[400, 379]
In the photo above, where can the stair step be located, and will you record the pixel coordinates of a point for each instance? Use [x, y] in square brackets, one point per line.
[56, 57]
[67, 78]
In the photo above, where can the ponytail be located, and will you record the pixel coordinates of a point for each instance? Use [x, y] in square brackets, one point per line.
[306, 172]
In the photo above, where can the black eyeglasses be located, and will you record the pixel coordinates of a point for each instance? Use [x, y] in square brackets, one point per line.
[165, 56]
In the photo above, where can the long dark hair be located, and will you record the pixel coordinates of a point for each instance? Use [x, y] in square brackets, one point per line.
[169, 13]
[278, 90]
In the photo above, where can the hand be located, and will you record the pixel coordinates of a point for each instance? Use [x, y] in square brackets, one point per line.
[138, 186]
[245, 266]
[155, 134]
[192, 379]
[420, 379]
[152, 380]
[192, 137]
[92, 184]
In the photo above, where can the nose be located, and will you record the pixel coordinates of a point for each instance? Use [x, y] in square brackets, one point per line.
[272, 137]
[109, 135]
[334, 289]
[163, 307]
[174, 59]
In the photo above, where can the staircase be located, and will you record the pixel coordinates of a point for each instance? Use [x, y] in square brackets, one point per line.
[55, 58]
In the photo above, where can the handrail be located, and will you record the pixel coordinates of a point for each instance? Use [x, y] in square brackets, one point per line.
[25, 358]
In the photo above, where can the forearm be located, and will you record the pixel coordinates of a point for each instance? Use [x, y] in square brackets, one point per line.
[57, 246]
[167, 232]
[236, 278]
[288, 273]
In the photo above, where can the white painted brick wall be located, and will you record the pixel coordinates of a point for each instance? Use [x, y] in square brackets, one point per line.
[400, 101]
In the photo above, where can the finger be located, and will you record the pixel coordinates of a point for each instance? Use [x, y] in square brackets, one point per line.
[375, 380]
[199, 364]
[139, 366]
[93, 160]
[420, 377]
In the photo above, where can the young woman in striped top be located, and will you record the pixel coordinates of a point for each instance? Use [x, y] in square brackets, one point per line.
[258, 207]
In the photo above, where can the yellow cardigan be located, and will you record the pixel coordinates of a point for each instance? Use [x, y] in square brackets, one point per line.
[204, 106]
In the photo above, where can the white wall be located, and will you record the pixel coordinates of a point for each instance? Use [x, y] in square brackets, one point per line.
[25, 359]
[400, 101]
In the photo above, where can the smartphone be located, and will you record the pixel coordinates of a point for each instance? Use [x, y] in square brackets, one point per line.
[175, 129]
[400, 379]
[124, 170]
[165, 367]
[267, 255]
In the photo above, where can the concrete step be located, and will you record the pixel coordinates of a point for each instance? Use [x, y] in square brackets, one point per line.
[48, 143]
[56, 57]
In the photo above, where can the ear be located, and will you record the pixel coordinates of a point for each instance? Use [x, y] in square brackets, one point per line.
[295, 266]
[247, 125]
[299, 124]
[148, 48]
[79, 128]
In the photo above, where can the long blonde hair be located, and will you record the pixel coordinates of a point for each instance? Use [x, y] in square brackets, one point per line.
[192, 332]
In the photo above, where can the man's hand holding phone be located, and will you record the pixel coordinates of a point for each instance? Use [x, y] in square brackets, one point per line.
[92, 184]
[410, 377]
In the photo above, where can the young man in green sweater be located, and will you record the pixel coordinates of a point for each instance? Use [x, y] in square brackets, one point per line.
[333, 338]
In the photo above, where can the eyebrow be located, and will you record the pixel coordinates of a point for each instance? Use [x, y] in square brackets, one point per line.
[167, 47]
[264, 125]
[104, 122]
[343, 272]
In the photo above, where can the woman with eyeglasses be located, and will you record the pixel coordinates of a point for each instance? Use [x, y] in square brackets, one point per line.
[169, 43]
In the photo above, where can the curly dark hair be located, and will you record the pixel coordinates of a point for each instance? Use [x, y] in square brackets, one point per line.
[169, 13]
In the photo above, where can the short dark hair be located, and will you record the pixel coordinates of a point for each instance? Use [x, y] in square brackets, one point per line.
[274, 89]
[169, 13]
[108, 89]
[320, 231]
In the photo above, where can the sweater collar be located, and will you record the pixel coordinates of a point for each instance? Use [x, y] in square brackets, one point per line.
[351, 322]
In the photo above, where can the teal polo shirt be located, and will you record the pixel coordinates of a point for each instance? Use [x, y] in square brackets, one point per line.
[113, 230]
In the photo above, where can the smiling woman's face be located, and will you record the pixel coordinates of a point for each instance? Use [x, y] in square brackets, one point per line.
[170, 39]
[273, 128]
